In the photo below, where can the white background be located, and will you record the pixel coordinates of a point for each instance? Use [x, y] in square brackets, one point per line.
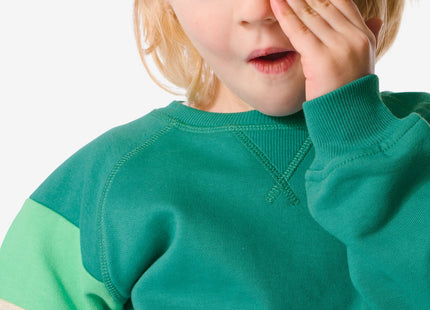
[70, 70]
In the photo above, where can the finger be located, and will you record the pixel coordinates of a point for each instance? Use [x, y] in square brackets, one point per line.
[350, 10]
[300, 35]
[314, 21]
[331, 14]
[326, 10]
[346, 7]
[338, 21]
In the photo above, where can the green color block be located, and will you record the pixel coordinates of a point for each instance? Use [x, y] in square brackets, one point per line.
[41, 254]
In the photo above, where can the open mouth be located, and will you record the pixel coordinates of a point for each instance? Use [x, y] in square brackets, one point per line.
[273, 63]
[273, 57]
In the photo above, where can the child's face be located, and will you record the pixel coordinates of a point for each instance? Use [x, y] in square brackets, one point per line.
[227, 33]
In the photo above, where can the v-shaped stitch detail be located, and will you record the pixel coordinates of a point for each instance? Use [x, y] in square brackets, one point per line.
[281, 180]
[279, 185]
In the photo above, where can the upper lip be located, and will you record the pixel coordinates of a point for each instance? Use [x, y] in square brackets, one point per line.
[267, 51]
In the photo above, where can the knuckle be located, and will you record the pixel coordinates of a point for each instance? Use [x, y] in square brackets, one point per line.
[286, 12]
[320, 3]
[309, 11]
[304, 29]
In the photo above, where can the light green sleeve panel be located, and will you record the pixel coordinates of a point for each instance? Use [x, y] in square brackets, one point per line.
[41, 265]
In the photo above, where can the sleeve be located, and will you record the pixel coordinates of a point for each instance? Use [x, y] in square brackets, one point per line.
[41, 265]
[369, 186]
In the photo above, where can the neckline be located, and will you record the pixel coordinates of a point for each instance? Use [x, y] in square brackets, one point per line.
[195, 117]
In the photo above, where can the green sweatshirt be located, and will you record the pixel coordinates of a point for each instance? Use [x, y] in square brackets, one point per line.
[327, 208]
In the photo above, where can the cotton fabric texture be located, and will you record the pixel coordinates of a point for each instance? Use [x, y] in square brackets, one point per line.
[327, 208]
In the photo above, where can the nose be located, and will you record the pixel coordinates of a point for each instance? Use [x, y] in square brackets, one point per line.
[256, 12]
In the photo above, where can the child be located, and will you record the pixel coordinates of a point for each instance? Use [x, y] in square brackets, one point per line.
[287, 181]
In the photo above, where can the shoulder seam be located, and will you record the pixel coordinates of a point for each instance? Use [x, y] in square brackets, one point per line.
[101, 203]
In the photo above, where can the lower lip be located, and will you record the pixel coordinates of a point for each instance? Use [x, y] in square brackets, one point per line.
[278, 66]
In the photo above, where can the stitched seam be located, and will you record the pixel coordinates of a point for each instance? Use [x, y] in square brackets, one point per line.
[258, 153]
[380, 149]
[291, 169]
[282, 185]
[197, 129]
[100, 208]
[273, 194]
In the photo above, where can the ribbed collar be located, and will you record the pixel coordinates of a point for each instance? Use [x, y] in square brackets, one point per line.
[194, 117]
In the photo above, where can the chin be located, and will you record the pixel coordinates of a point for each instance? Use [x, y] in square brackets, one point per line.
[275, 100]
[279, 107]
[282, 111]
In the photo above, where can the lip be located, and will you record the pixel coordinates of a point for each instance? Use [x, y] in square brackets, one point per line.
[266, 51]
[275, 66]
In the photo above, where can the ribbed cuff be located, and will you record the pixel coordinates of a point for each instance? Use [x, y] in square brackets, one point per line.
[352, 117]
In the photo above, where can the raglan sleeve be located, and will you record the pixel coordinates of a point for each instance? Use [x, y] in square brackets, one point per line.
[369, 186]
[42, 262]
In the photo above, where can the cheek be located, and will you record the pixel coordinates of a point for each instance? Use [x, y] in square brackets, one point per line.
[210, 34]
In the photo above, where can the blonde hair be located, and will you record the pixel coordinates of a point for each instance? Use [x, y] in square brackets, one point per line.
[159, 34]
